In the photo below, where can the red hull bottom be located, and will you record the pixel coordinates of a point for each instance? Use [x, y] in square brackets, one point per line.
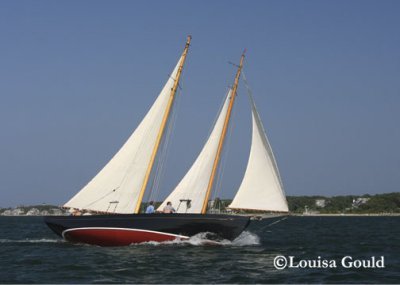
[117, 236]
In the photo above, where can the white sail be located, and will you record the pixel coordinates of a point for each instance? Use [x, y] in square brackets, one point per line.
[261, 188]
[194, 184]
[116, 187]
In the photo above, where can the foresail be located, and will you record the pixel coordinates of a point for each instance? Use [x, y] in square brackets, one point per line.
[189, 194]
[116, 187]
[261, 188]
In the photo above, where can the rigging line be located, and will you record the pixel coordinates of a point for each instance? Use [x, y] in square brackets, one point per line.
[170, 131]
[273, 223]
[179, 83]
[158, 162]
[221, 170]
[221, 166]
[160, 173]
[168, 138]
[102, 197]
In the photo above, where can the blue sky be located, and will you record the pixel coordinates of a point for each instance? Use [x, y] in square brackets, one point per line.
[76, 77]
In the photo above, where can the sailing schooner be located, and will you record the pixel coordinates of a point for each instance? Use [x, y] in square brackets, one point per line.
[114, 196]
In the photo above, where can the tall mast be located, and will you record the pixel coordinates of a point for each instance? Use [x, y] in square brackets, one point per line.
[222, 139]
[163, 125]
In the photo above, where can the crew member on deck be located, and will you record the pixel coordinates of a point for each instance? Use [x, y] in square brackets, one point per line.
[150, 208]
[76, 212]
[168, 209]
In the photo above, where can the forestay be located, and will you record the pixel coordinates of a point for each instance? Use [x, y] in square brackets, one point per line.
[261, 188]
[116, 187]
[189, 194]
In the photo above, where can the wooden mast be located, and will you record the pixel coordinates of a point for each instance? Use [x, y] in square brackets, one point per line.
[163, 125]
[221, 140]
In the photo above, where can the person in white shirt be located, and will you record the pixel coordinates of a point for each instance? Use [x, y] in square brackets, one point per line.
[168, 209]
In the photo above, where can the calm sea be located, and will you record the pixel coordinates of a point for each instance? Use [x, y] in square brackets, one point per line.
[31, 253]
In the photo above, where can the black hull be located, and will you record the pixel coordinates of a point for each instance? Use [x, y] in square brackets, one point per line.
[125, 229]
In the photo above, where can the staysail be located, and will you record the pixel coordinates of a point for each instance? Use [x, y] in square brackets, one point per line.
[261, 188]
[116, 188]
[188, 196]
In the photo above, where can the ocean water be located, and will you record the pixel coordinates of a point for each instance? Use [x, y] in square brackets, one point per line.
[31, 253]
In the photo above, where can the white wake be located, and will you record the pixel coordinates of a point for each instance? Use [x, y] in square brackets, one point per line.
[43, 240]
[204, 239]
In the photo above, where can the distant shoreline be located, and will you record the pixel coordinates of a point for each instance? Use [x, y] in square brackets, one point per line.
[348, 215]
[291, 215]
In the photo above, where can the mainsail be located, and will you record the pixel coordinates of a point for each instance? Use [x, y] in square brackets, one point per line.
[116, 188]
[189, 194]
[261, 188]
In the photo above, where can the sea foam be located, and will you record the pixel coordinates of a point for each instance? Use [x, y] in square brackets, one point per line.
[246, 238]
[43, 240]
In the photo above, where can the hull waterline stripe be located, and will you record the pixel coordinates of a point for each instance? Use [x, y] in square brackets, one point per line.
[121, 229]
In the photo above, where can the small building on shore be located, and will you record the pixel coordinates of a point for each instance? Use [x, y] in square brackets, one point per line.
[33, 212]
[320, 203]
[359, 201]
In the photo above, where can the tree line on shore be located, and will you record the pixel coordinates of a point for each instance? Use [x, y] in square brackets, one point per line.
[349, 204]
[369, 204]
